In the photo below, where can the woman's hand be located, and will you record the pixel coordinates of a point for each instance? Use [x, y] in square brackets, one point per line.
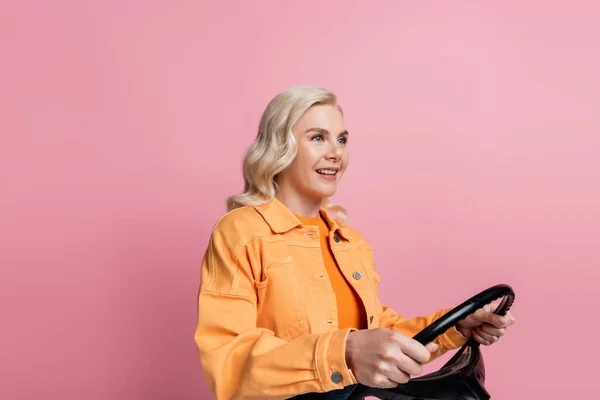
[384, 358]
[484, 325]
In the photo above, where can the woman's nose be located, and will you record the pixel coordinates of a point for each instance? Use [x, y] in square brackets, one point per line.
[335, 151]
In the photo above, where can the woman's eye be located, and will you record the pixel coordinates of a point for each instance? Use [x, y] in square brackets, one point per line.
[343, 140]
[318, 137]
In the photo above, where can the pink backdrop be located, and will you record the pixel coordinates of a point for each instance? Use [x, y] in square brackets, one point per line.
[474, 141]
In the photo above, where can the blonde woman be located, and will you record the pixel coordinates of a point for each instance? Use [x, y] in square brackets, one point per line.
[288, 305]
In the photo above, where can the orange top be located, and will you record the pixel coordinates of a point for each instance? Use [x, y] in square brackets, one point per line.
[267, 324]
[351, 312]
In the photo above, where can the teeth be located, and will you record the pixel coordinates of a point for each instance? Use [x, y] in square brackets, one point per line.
[326, 171]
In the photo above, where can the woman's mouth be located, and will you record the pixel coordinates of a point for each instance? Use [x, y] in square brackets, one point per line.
[327, 174]
[327, 171]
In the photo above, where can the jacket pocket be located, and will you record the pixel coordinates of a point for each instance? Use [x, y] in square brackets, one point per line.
[279, 304]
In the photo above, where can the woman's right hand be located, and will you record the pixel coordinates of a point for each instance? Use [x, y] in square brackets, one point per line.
[384, 358]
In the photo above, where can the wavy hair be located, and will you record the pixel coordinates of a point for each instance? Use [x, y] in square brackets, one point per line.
[275, 146]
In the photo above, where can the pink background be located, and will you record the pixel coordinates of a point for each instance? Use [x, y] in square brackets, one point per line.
[475, 143]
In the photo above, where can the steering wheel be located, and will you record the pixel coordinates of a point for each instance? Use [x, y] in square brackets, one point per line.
[463, 376]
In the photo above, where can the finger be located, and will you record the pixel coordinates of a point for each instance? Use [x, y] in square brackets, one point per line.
[481, 339]
[492, 330]
[397, 377]
[413, 349]
[417, 352]
[383, 382]
[486, 336]
[493, 306]
[408, 365]
[432, 347]
[484, 316]
[511, 318]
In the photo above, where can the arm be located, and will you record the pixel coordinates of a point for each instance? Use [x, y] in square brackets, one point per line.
[241, 360]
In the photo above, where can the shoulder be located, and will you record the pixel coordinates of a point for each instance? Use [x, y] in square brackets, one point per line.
[238, 225]
[242, 220]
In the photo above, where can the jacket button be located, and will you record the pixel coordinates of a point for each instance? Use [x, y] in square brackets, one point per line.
[336, 238]
[336, 377]
[356, 275]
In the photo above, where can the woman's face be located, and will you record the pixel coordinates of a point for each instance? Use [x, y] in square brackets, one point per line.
[322, 155]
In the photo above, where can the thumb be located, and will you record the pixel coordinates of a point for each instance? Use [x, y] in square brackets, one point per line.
[432, 347]
[484, 316]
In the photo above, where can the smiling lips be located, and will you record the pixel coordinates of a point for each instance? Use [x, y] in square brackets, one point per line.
[327, 173]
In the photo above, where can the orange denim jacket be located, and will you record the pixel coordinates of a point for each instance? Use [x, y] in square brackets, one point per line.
[266, 326]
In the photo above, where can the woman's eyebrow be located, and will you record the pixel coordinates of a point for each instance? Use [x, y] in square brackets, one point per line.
[324, 131]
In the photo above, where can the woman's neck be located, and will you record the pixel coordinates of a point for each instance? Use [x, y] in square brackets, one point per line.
[301, 206]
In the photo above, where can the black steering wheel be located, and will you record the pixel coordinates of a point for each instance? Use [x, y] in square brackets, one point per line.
[463, 376]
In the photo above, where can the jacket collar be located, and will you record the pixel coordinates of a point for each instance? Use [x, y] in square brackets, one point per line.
[281, 219]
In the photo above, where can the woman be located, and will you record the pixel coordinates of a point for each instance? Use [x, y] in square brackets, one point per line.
[288, 302]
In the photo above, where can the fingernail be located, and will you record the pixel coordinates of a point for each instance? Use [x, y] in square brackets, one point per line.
[502, 320]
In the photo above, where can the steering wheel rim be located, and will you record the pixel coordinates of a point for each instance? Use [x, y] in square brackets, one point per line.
[466, 308]
[450, 319]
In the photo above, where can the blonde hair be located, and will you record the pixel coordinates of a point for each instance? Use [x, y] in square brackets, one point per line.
[275, 147]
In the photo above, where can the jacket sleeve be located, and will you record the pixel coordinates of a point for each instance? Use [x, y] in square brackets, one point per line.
[450, 340]
[243, 361]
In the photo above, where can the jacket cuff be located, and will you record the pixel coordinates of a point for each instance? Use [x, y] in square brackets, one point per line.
[453, 339]
[330, 360]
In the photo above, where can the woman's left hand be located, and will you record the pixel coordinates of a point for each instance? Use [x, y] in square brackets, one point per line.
[485, 326]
